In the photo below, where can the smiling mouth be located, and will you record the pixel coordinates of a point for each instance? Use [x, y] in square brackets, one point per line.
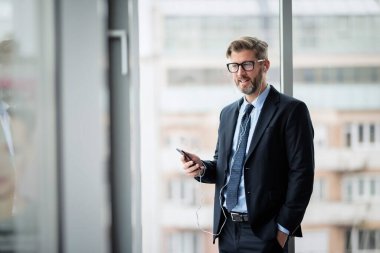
[244, 81]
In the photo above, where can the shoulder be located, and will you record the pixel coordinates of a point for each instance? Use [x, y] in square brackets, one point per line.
[283, 100]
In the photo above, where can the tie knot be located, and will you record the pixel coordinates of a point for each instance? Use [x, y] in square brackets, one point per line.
[248, 109]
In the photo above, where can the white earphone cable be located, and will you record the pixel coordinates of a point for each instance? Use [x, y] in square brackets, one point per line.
[243, 130]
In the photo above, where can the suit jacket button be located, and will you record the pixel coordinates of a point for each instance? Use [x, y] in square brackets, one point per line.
[247, 168]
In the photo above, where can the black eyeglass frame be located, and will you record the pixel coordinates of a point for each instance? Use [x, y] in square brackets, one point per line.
[242, 65]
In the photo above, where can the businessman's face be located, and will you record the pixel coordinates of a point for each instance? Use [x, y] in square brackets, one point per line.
[249, 81]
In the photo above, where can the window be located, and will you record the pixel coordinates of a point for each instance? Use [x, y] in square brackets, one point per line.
[28, 185]
[335, 31]
[184, 242]
[367, 239]
[182, 191]
[336, 75]
[361, 135]
[362, 240]
[320, 136]
[325, 42]
[372, 133]
[348, 243]
[373, 187]
[348, 135]
[185, 84]
[197, 76]
[347, 191]
[319, 191]
[207, 34]
[305, 32]
[361, 188]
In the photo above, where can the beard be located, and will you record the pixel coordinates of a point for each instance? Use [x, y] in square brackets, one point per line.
[254, 85]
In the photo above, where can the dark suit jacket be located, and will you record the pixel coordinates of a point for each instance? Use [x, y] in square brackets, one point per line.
[279, 166]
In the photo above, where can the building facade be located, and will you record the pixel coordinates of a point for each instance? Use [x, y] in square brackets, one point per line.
[336, 72]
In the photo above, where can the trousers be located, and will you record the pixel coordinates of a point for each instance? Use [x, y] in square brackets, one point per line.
[237, 237]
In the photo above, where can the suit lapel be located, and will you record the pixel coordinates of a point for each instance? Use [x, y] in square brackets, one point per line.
[267, 113]
[230, 127]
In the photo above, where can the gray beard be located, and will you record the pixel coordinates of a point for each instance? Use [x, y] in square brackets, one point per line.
[251, 89]
[255, 85]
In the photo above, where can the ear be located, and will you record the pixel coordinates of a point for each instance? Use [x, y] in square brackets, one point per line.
[266, 65]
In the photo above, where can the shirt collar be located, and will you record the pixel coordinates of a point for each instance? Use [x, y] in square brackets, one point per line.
[259, 101]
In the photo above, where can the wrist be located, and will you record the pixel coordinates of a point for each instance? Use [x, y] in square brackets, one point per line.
[201, 171]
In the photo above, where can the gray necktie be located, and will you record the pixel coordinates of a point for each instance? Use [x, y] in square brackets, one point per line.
[239, 158]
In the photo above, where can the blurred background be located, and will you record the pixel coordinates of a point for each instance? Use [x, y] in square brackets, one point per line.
[96, 95]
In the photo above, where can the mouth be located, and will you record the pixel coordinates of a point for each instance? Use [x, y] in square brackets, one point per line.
[244, 81]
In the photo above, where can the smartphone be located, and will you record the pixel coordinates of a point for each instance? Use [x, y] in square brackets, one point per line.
[187, 157]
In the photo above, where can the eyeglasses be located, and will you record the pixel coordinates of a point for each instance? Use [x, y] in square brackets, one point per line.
[247, 65]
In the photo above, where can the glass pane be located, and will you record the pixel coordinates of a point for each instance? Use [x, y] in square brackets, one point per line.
[336, 72]
[27, 166]
[184, 85]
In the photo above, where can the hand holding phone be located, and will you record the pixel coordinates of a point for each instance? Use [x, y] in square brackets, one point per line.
[196, 169]
[187, 157]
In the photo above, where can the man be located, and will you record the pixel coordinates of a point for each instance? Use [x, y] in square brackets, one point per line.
[263, 167]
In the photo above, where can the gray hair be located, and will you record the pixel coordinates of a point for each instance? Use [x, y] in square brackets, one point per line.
[249, 43]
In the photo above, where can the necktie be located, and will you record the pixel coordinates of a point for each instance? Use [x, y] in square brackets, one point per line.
[238, 161]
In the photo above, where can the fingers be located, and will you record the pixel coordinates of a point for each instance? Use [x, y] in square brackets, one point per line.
[189, 157]
[183, 159]
[192, 165]
[192, 168]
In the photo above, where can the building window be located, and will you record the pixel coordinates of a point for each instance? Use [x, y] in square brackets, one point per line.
[348, 135]
[320, 136]
[184, 242]
[307, 39]
[347, 191]
[372, 133]
[195, 76]
[361, 188]
[182, 191]
[372, 187]
[181, 139]
[362, 240]
[362, 134]
[205, 35]
[348, 241]
[334, 75]
[367, 239]
[319, 189]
